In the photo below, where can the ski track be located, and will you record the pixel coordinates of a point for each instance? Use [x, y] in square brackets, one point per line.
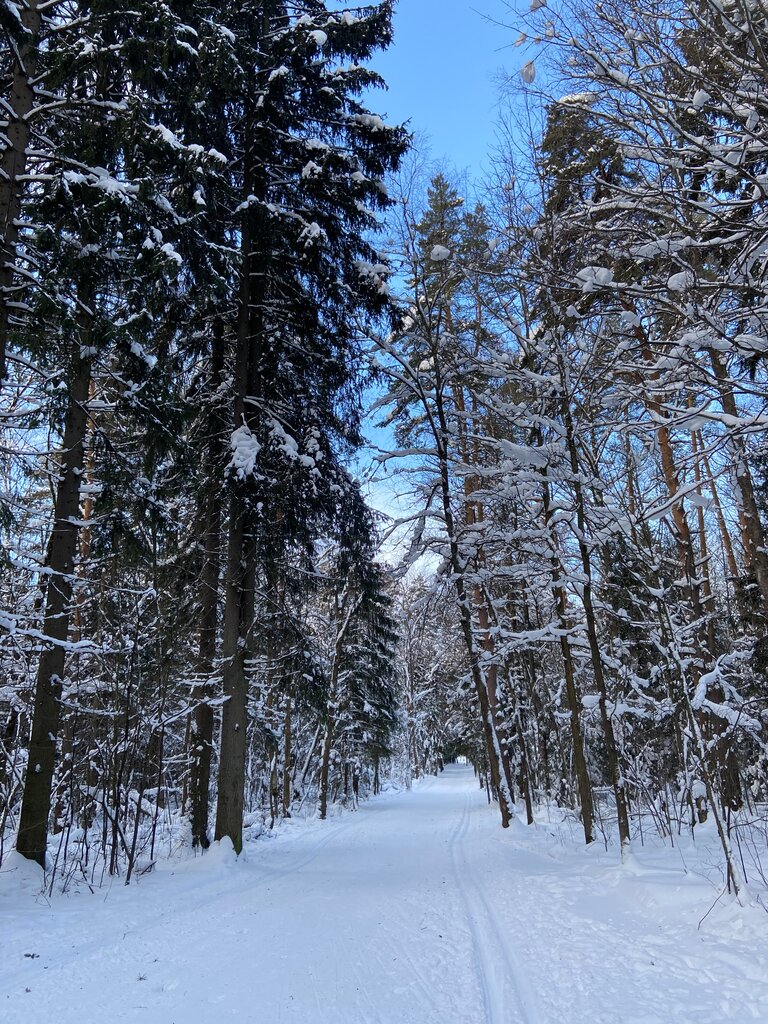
[506, 995]
[418, 909]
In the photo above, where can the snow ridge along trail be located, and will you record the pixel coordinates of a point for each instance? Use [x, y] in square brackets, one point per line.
[418, 909]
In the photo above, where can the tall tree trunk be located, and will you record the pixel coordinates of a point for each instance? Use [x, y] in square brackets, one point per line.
[36, 803]
[614, 768]
[681, 532]
[238, 615]
[325, 764]
[491, 685]
[754, 535]
[708, 602]
[729, 554]
[13, 159]
[571, 691]
[287, 798]
[201, 732]
[240, 575]
[490, 735]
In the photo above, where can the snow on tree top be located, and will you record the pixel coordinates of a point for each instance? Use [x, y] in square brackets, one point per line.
[439, 254]
[578, 99]
[372, 121]
[593, 277]
[680, 282]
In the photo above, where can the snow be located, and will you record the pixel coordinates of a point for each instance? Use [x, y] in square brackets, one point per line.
[526, 455]
[245, 452]
[439, 254]
[311, 233]
[417, 909]
[528, 72]
[168, 136]
[168, 250]
[578, 99]
[681, 281]
[99, 177]
[592, 277]
[372, 121]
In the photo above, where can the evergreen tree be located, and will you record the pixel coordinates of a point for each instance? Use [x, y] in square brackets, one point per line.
[312, 160]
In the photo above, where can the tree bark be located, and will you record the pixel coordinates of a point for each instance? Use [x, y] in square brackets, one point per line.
[238, 617]
[609, 736]
[237, 608]
[13, 161]
[574, 704]
[287, 798]
[36, 803]
[241, 557]
[201, 733]
[754, 535]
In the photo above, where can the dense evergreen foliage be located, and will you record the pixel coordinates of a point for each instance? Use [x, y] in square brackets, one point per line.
[187, 196]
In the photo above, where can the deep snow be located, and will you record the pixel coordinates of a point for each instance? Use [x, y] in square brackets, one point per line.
[417, 909]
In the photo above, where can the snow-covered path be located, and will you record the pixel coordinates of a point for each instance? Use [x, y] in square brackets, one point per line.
[417, 909]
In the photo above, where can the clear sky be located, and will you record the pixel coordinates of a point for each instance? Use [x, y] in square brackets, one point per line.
[440, 72]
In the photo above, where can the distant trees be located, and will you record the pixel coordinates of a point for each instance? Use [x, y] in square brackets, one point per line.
[579, 385]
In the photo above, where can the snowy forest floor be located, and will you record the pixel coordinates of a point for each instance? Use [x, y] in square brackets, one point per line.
[417, 909]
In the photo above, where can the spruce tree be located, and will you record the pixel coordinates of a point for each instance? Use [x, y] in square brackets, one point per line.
[101, 234]
[312, 161]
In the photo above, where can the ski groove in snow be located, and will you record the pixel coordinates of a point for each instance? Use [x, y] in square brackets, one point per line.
[505, 994]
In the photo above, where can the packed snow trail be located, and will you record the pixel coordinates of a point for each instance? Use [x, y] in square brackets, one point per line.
[417, 909]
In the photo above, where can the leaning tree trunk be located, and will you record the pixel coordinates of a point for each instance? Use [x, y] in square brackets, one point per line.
[36, 803]
[492, 744]
[474, 516]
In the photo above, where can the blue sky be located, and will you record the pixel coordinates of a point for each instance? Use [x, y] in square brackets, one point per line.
[440, 72]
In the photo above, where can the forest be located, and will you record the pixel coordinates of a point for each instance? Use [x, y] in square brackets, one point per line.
[219, 267]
